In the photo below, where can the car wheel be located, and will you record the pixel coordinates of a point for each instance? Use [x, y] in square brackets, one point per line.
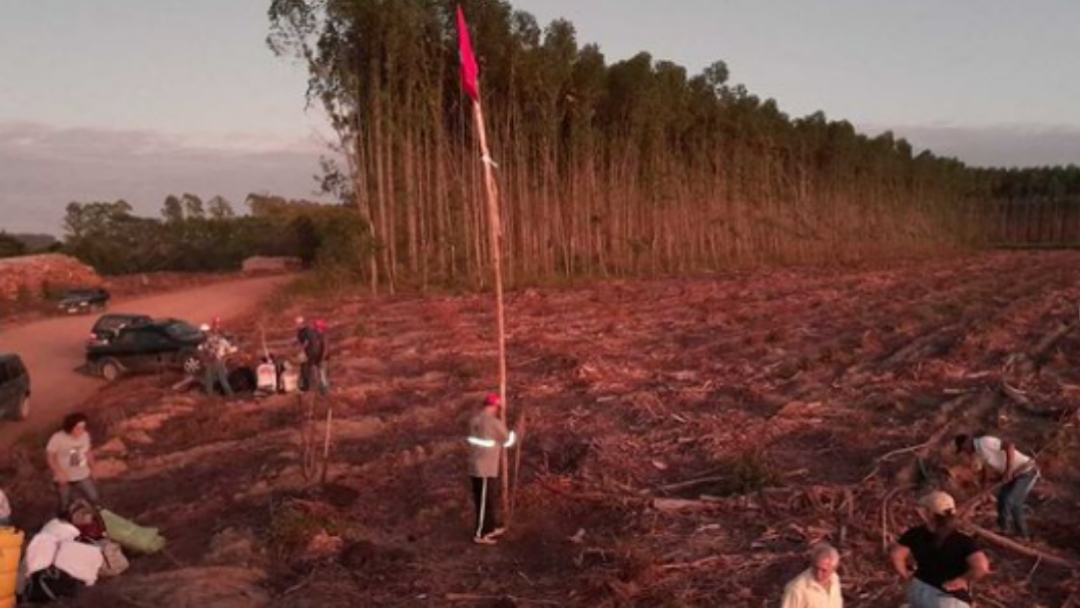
[110, 370]
[191, 364]
[23, 411]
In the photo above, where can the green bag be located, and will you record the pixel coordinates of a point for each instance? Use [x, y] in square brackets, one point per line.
[130, 535]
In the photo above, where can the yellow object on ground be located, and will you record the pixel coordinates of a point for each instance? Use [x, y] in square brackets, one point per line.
[11, 543]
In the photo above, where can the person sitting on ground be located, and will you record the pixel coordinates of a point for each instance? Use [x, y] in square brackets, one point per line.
[1018, 472]
[216, 350]
[947, 561]
[71, 461]
[488, 437]
[818, 586]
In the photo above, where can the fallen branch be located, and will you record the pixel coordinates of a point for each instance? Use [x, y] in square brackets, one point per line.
[880, 459]
[592, 496]
[946, 421]
[705, 561]
[183, 384]
[968, 507]
[304, 583]
[675, 505]
[1023, 403]
[1049, 341]
[885, 540]
[469, 597]
[1012, 545]
[925, 345]
[683, 485]
[1016, 395]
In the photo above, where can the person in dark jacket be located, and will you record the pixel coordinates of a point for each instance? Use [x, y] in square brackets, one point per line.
[313, 344]
[946, 560]
[488, 437]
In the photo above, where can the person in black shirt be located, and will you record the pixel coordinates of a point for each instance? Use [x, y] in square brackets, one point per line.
[946, 561]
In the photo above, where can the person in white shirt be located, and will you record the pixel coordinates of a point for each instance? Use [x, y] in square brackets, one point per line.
[1018, 472]
[71, 460]
[819, 585]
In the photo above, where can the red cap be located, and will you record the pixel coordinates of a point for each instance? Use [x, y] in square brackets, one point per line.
[492, 399]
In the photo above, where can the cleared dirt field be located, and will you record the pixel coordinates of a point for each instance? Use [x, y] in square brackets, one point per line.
[687, 441]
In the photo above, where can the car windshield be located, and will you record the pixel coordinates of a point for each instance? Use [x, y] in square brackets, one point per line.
[181, 330]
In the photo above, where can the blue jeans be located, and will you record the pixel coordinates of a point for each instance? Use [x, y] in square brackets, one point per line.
[217, 373]
[86, 487]
[1010, 502]
[921, 595]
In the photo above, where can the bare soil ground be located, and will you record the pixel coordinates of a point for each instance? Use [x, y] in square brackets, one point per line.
[687, 441]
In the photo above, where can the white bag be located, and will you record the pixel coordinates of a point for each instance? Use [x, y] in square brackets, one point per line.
[116, 563]
[60, 530]
[266, 375]
[80, 561]
[290, 381]
[40, 553]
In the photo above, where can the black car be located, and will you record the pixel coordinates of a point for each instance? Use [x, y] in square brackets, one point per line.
[75, 301]
[108, 326]
[14, 387]
[147, 347]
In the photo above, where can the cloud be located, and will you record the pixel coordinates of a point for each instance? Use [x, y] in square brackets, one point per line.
[1006, 145]
[42, 168]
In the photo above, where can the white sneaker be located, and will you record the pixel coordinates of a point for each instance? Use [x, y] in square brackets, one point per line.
[485, 540]
[497, 532]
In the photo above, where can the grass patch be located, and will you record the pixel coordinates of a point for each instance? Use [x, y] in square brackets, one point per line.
[293, 524]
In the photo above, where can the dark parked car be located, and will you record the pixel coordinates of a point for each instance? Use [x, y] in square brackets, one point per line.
[14, 387]
[147, 347]
[108, 326]
[77, 301]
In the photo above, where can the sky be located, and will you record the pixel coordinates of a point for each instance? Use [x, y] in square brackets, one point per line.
[134, 99]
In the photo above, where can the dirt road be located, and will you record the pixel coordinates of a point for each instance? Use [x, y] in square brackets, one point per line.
[53, 348]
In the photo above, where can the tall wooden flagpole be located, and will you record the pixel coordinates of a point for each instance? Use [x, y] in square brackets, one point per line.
[495, 241]
[470, 81]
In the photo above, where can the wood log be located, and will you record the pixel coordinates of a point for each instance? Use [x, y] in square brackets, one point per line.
[925, 346]
[675, 505]
[1022, 549]
[1039, 352]
[472, 597]
[684, 485]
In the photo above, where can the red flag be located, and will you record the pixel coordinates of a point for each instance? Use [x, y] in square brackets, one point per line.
[470, 72]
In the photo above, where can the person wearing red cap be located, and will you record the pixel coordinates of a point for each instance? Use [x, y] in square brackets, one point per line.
[488, 437]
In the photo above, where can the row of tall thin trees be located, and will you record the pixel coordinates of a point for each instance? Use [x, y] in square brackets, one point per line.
[632, 167]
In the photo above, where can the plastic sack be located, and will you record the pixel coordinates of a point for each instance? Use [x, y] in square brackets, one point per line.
[132, 536]
[116, 563]
[80, 560]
